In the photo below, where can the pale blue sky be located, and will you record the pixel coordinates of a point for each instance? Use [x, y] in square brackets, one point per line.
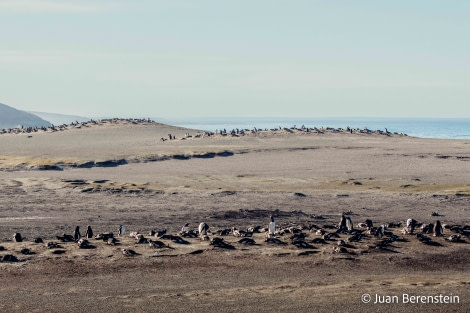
[172, 58]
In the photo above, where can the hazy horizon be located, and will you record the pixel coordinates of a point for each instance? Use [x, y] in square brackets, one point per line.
[210, 58]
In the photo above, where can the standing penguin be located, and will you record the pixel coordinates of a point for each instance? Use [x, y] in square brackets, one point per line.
[17, 237]
[89, 232]
[349, 224]
[76, 234]
[438, 229]
[203, 228]
[271, 227]
[121, 231]
[342, 224]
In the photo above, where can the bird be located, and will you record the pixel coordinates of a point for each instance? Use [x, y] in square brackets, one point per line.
[438, 229]
[156, 244]
[66, 238]
[76, 234]
[38, 240]
[247, 241]
[275, 241]
[203, 228]
[89, 232]
[17, 237]
[129, 252]
[112, 241]
[454, 238]
[302, 244]
[121, 231]
[220, 243]
[271, 227]
[84, 244]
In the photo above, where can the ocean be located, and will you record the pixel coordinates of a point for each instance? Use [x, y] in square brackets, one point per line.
[444, 128]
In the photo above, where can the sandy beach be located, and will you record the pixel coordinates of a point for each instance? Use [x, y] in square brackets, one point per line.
[122, 173]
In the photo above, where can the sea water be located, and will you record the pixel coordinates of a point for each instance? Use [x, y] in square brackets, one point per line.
[445, 128]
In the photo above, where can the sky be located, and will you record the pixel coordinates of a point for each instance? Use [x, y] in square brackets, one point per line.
[245, 58]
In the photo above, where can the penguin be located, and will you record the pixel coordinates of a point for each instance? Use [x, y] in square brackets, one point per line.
[121, 231]
[203, 228]
[76, 234]
[437, 229]
[17, 237]
[271, 227]
[129, 252]
[89, 232]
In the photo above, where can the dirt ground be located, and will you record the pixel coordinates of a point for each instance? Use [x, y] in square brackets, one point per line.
[122, 173]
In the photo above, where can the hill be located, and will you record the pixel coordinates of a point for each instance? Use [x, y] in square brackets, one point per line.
[11, 118]
[58, 119]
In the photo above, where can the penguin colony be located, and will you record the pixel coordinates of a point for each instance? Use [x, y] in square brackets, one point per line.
[343, 237]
